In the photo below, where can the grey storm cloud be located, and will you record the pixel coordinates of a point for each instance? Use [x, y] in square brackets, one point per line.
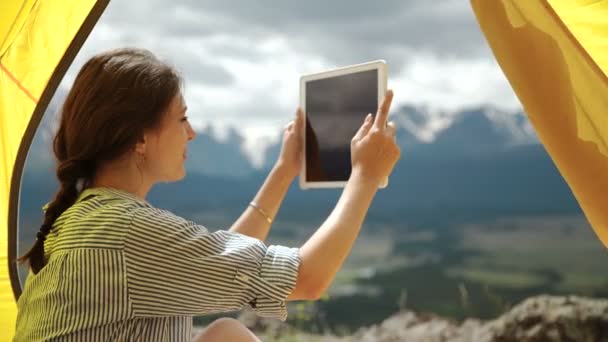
[442, 26]
[191, 65]
[343, 31]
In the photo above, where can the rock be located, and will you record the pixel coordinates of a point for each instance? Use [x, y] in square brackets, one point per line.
[409, 326]
[548, 318]
[543, 318]
[537, 319]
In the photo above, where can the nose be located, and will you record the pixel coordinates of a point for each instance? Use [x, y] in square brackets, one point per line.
[191, 132]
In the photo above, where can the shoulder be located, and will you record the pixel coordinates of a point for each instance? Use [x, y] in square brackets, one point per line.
[141, 215]
[149, 219]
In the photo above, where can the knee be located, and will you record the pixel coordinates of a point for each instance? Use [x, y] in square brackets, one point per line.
[226, 323]
[227, 329]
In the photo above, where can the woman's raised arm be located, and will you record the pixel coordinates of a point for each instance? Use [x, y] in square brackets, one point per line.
[374, 153]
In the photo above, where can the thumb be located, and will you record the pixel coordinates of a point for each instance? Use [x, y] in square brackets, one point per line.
[367, 124]
[299, 120]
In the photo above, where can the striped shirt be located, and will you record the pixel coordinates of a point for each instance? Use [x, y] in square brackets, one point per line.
[119, 269]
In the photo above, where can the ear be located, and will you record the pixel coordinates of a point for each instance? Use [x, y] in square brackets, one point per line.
[140, 145]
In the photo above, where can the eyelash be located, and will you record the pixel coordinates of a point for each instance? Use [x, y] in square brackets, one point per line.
[184, 119]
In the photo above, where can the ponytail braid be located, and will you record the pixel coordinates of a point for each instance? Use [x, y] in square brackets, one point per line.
[97, 126]
[69, 173]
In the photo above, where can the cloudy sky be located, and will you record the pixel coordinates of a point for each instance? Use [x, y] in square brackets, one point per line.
[242, 59]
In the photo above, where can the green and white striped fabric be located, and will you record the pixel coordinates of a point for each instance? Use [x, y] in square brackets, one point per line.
[119, 269]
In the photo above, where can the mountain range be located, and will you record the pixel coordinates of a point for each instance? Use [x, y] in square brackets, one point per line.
[470, 163]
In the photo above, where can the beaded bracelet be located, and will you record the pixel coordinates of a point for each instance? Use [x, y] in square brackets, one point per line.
[262, 212]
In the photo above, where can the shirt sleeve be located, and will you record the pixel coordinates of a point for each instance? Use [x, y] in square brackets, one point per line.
[176, 267]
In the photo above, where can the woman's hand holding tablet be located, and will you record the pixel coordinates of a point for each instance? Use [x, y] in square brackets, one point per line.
[374, 149]
[335, 104]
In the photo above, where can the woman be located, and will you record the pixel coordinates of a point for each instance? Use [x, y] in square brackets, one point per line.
[107, 265]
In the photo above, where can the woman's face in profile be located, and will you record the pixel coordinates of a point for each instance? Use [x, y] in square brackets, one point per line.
[166, 148]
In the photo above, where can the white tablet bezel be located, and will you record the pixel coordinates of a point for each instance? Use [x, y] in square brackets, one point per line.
[379, 65]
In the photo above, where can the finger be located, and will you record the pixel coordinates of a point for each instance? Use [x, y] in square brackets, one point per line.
[299, 116]
[382, 113]
[390, 129]
[288, 126]
[365, 127]
[299, 119]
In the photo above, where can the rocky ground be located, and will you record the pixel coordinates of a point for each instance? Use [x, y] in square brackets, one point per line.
[542, 318]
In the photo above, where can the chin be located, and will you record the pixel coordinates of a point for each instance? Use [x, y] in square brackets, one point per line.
[181, 175]
[176, 177]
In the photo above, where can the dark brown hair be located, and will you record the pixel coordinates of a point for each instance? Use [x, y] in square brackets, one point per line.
[116, 96]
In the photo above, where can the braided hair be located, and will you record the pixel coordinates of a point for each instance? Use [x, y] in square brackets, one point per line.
[116, 96]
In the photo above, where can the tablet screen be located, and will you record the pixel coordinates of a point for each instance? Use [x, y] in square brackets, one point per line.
[335, 110]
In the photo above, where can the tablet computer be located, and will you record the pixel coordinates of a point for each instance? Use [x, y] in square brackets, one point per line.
[335, 104]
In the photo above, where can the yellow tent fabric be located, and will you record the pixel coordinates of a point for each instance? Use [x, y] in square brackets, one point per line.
[38, 41]
[555, 56]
